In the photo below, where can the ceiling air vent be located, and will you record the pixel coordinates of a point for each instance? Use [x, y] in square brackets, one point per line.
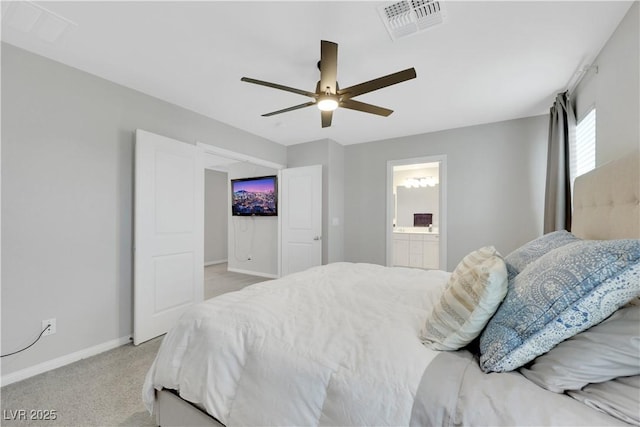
[29, 17]
[408, 17]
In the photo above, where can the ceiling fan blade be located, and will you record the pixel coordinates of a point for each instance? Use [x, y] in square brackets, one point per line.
[352, 104]
[326, 118]
[277, 86]
[379, 83]
[295, 107]
[328, 66]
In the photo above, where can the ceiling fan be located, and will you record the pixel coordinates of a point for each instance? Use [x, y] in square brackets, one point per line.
[328, 95]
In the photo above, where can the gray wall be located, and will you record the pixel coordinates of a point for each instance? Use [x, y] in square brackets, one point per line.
[330, 155]
[615, 91]
[256, 236]
[335, 213]
[495, 187]
[216, 212]
[67, 191]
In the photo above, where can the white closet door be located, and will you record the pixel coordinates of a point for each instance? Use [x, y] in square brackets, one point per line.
[169, 232]
[301, 211]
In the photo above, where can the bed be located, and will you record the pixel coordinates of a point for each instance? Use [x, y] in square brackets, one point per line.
[546, 335]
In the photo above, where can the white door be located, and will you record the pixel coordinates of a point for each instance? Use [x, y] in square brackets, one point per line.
[169, 233]
[301, 211]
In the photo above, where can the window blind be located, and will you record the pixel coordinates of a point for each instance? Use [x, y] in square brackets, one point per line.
[583, 157]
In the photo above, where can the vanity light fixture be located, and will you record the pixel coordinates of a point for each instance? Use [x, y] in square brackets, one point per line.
[420, 182]
[412, 182]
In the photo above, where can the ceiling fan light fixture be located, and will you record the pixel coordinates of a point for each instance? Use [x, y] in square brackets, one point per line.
[327, 103]
[332, 96]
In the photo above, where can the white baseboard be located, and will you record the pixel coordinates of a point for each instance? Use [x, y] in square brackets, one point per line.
[220, 261]
[49, 365]
[253, 273]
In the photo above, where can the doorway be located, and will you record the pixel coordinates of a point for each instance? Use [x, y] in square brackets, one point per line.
[218, 279]
[239, 251]
[416, 225]
[259, 247]
[169, 228]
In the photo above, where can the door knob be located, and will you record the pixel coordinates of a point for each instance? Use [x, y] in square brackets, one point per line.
[317, 238]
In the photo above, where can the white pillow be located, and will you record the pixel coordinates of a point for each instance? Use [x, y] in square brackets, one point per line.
[475, 289]
[603, 352]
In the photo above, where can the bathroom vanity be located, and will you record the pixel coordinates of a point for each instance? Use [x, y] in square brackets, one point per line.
[416, 247]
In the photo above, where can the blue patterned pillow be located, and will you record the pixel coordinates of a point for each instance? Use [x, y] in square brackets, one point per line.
[562, 293]
[517, 260]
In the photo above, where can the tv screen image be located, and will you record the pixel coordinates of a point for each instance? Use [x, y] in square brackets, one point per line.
[254, 196]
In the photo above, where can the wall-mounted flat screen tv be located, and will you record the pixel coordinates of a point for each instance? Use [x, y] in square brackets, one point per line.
[254, 196]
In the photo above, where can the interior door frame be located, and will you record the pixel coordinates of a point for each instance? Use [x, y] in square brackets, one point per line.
[442, 160]
[241, 157]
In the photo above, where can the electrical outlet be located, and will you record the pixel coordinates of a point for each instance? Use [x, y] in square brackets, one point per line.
[52, 326]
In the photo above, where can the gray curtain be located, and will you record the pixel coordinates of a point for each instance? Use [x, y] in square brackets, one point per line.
[562, 131]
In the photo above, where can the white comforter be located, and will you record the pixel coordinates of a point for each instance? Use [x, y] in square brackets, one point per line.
[334, 345]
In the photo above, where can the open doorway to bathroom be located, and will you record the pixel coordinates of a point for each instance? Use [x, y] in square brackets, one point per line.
[416, 212]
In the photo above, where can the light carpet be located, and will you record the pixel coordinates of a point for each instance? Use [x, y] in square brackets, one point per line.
[103, 390]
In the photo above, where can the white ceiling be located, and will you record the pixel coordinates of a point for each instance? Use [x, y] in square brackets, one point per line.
[489, 61]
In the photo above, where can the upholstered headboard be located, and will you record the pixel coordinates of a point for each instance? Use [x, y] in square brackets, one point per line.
[606, 202]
